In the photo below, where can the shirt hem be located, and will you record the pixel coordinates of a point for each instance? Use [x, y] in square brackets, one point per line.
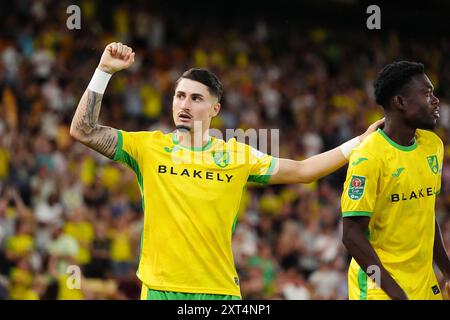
[356, 214]
[192, 290]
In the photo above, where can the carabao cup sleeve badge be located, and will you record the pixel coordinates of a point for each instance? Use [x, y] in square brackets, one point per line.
[356, 188]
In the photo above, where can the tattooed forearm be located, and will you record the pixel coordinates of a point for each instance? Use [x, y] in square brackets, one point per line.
[87, 120]
[85, 127]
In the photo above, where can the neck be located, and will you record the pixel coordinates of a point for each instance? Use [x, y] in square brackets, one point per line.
[398, 131]
[192, 139]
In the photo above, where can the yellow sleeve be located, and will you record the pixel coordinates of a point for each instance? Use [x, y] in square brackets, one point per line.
[261, 165]
[129, 149]
[360, 187]
[127, 146]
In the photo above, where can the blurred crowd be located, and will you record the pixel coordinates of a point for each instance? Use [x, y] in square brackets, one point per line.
[64, 205]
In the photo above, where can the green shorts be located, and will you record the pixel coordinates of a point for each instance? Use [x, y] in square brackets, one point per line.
[170, 295]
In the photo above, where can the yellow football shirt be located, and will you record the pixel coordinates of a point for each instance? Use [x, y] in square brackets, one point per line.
[21, 244]
[191, 198]
[84, 233]
[121, 249]
[396, 186]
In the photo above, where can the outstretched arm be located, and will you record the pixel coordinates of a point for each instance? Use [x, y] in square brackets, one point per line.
[315, 167]
[85, 127]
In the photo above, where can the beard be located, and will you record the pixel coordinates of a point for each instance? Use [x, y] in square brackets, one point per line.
[182, 127]
[427, 124]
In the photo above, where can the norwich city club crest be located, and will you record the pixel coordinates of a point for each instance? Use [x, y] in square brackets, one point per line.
[433, 163]
[221, 158]
[356, 188]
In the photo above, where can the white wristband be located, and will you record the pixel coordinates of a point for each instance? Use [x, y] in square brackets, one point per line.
[347, 147]
[99, 81]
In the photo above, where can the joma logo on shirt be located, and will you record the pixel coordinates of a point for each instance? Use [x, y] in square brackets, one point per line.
[199, 174]
[416, 194]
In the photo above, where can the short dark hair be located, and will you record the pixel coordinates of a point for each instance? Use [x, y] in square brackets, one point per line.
[393, 78]
[205, 77]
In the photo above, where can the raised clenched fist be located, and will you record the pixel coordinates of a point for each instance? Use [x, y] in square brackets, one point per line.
[116, 57]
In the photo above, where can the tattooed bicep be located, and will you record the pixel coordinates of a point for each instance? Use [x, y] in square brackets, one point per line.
[104, 140]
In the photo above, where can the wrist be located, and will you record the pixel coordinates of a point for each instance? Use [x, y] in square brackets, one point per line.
[105, 69]
[99, 81]
[347, 147]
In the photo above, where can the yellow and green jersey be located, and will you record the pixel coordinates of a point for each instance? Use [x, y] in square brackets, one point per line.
[21, 244]
[191, 198]
[396, 186]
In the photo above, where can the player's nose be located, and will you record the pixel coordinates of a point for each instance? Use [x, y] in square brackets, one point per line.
[185, 104]
[435, 100]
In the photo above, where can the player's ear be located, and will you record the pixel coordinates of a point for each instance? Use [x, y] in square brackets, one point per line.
[215, 109]
[399, 102]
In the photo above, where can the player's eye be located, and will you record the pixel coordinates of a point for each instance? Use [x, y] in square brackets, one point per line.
[197, 98]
